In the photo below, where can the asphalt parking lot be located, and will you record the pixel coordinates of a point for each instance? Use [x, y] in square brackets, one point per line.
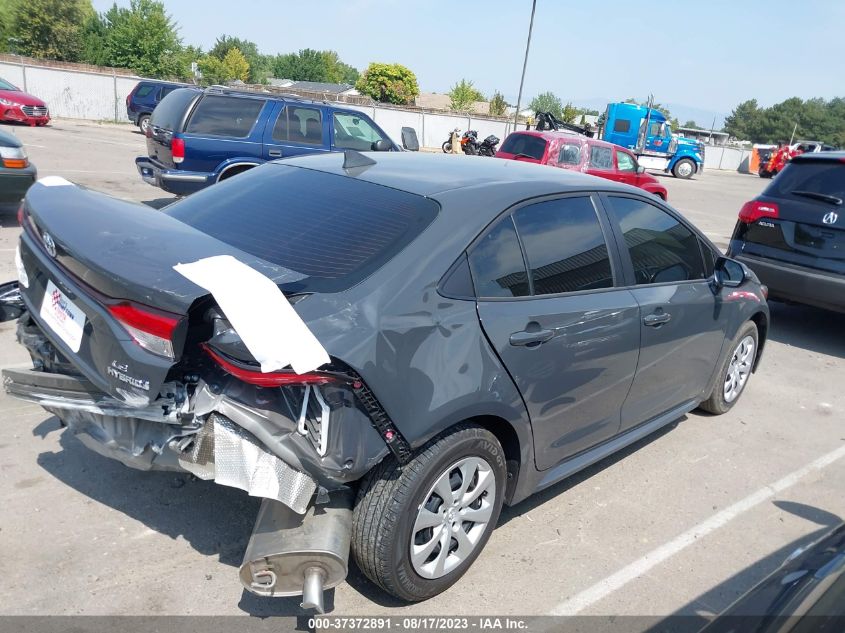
[681, 523]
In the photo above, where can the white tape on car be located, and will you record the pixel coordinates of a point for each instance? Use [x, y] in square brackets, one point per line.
[54, 181]
[259, 312]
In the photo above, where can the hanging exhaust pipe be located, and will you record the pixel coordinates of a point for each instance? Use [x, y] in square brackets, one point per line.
[290, 554]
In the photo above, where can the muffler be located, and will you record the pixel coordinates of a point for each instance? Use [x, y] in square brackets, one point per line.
[290, 554]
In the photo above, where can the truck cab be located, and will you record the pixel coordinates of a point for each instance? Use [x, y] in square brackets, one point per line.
[647, 133]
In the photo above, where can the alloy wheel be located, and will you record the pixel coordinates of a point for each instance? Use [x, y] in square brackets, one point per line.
[739, 368]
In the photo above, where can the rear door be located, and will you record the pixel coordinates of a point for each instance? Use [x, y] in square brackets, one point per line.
[809, 228]
[681, 333]
[297, 129]
[567, 335]
[601, 161]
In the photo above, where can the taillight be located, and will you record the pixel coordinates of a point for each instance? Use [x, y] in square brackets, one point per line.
[20, 215]
[177, 147]
[151, 330]
[13, 157]
[271, 379]
[754, 210]
[149, 131]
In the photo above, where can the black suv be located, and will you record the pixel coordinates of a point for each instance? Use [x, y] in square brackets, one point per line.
[199, 137]
[793, 234]
[143, 99]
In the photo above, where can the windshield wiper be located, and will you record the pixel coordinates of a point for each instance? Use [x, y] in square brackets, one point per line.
[818, 196]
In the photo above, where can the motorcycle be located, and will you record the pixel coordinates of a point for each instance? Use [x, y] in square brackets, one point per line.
[488, 146]
[447, 146]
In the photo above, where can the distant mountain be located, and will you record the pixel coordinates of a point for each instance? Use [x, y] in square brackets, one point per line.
[702, 116]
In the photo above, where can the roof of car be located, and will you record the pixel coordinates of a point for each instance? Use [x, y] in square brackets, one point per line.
[565, 135]
[428, 174]
[812, 157]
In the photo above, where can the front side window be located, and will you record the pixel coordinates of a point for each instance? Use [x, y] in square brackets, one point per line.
[564, 245]
[498, 269]
[661, 248]
[625, 162]
[224, 116]
[352, 131]
[299, 125]
[601, 157]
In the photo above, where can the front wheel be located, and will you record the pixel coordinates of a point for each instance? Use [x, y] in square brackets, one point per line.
[417, 528]
[684, 168]
[735, 371]
[447, 147]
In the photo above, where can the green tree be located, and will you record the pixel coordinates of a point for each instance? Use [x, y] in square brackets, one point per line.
[498, 106]
[260, 66]
[311, 65]
[143, 38]
[745, 121]
[236, 65]
[212, 70]
[547, 102]
[389, 83]
[569, 113]
[692, 124]
[462, 95]
[50, 29]
[94, 33]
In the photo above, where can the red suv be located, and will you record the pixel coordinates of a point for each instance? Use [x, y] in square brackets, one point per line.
[569, 150]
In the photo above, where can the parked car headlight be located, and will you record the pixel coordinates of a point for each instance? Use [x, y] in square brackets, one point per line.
[13, 157]
[9, 102]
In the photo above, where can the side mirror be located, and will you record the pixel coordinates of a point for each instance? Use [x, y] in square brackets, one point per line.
[640, 169]
[382, 145]
[728, 273]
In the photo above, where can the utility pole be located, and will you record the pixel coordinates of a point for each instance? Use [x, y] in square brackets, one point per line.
[524, 65]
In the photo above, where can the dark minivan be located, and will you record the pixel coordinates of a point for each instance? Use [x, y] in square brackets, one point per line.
[793, 234]
[144, 98]
[199, 137]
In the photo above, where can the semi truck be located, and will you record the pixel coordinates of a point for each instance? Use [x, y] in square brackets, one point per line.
[646, 132]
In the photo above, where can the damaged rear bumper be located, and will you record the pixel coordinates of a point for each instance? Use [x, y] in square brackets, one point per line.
[165, 436]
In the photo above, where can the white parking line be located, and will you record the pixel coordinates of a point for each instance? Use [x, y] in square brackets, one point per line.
[605, 587]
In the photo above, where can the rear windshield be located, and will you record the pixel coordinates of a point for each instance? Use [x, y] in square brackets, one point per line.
[531, 146]
[827, 177]
[169, 113]
[333, 229]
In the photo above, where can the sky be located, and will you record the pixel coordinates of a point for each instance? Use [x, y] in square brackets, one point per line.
[699, 58]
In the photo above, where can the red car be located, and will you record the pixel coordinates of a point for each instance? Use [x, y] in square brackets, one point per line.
[569, 150]
[16, 105]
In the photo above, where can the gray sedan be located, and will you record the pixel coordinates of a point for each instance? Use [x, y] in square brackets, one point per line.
[16, 172]
[386, 348]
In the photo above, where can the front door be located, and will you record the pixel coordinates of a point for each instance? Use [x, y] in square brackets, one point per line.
[566, 335]
[681, 335]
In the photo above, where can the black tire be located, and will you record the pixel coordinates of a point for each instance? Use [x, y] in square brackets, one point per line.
[717, 403]
[447, 147]
[143, 122]
[679, 170]
[389, 498]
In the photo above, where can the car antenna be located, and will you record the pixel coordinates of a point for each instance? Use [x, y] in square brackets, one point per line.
[353, 160]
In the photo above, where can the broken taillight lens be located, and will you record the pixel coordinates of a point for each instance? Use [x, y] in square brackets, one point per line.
[151, 330]
[270, 379]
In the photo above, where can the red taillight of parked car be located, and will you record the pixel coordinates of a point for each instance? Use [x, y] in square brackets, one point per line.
[151, 330]
[272, 379]
[754, 210]
[177, 147]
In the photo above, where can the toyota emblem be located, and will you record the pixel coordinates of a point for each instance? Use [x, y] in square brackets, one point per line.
[49, 244]
[830, 218]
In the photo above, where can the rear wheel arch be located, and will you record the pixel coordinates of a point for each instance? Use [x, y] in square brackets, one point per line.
[234, 169]
[762, 322]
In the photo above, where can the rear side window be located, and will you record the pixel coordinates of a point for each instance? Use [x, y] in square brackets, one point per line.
[352, 131]
[564, 245]
[621, 125]
[498, 269]
[827, 177]
[170, 112]
[144, 90]
[299, 125]
[334, 230]
[525, 144]
[661, 248]
[569, 154]
[601, 157]
[217, 115]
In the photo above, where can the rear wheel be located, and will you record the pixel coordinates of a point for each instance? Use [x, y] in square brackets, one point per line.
[734, 372]
[144, 122]
[684, 168]
[417, 528]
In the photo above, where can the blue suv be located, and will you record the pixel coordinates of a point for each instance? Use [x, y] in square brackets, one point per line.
[143, 99]
[199, 137]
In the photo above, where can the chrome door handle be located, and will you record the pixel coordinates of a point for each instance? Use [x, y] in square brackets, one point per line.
[275, 152]
[653, 320]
